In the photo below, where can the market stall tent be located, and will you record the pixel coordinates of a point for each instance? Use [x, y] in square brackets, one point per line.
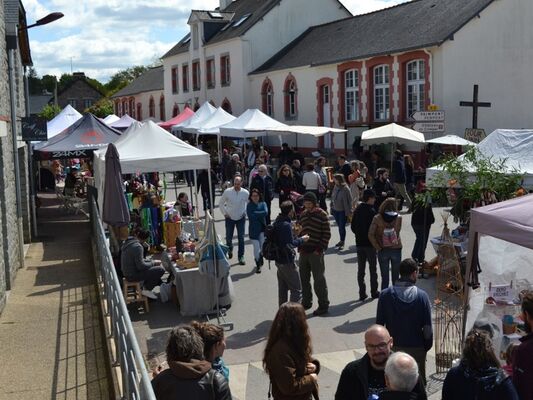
[111, 118]
[501, 240]
[316, 131]
[178, 119]
[123, 123]
[453, 140]
[250, 124]
[201, 114]
[391, 133]
[212, 124]
[63, 120]
[79, 140]
[515, 146]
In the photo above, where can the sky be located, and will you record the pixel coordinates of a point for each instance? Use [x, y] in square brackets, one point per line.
[101, 37]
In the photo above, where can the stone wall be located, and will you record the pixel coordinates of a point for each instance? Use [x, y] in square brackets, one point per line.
[79, 91]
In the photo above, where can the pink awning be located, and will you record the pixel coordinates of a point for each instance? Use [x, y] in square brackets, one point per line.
[183, 116]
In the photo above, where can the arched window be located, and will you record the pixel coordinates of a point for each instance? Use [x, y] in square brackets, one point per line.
[351, 95]
[290, 92]
[381, 93]
[139, 111]
[162, 108]
[226, 106]
[267, 94]
[132, 107]
[175, 110]
[125, 106]
[151, 108]
[415, 90]
[117, 107]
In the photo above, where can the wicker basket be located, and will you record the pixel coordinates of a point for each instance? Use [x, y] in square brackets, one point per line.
[181, 264]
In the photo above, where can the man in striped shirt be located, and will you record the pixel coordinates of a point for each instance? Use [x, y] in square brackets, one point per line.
[314, 222]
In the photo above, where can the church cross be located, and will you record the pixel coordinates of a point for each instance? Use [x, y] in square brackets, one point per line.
[475, 104]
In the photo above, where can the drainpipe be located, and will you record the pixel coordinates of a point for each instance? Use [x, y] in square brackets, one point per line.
[30, 157]
[430, 54]
[12, 43]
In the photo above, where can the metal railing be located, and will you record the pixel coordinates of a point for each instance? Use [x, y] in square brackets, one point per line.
[126, 357]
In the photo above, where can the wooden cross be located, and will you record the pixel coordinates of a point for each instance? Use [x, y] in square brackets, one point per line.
[475, 104]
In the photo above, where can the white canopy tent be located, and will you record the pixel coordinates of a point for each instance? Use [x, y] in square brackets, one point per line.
[62, 121]
[250, 124]
[211, 126]
[515, 146]
[123, 123]
[111, 118]
[204, 112]
[453, 140]
[316, 131]
[146, 147]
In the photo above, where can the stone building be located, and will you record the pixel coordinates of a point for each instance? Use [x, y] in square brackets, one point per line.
[12, 16]
[79, 93]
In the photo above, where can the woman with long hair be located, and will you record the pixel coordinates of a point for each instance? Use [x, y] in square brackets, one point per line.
[287, 358]
[354, 182]
[384, 234]
[341, 206]
[478, 376]
[257, 212]
[214, 345]
[285, 183]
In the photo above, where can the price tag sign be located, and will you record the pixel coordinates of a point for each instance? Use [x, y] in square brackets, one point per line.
[501, 293]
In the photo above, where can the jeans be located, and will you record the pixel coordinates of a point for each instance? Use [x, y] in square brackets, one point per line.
[258, 245]
[150, 277]
[289, 281]
[402, 191]
[364, 254]
[207, 203]
[230, 227]
[340, 219]
[313, 264]
[394, 256]
[322, 201]
[422, 237]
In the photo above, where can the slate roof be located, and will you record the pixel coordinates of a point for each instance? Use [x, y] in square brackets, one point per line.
[407, 26]
[257, 10]
[38, 101]
[149, 81]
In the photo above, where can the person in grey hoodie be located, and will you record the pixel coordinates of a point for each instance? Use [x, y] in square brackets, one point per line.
[136, 268]
[341, 206]
[404, 309]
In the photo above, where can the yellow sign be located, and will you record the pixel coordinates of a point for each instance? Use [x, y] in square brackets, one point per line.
[433, 107]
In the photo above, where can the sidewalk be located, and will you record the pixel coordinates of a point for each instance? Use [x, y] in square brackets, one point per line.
[51, 340]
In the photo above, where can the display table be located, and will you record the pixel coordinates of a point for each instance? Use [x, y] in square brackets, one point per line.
[197, 292]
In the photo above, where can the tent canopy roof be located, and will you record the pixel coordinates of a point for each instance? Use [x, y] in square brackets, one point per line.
[251, 123]
[392, 133]
[212, 124]
[111, 118]
[124, 122]
[63, 120]
[315, 131]
[510, 220]
[147, 147]
[451, 140]
[201, 114]
[181, 117]
[88, 133]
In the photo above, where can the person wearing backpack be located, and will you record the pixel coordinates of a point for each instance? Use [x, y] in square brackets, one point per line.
[257, 212]
[284, 242]
[384, 234]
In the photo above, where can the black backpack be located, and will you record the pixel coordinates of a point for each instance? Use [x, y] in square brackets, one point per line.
[270, 250]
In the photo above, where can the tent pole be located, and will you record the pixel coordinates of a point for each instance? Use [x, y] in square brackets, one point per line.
[195, 191]
[219, 145]
[175, 185]
[472, 239]
[213, 239]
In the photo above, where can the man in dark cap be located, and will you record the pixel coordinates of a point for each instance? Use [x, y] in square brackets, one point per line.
[315, 223]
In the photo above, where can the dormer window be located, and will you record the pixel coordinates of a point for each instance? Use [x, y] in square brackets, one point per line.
[241, 20]
[195, 37]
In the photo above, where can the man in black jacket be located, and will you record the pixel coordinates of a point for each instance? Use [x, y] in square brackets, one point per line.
[288, 273]
[264, 183]
[361, 221]
[382, 187]
[400, 178]
[366, 376]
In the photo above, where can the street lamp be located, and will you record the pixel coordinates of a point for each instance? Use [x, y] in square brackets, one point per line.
[12, 46]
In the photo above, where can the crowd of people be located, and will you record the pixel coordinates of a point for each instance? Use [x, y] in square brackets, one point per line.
[388, 370]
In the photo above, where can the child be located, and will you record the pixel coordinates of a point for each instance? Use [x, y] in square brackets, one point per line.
[214, 345]
[183, 205]
[508, 367]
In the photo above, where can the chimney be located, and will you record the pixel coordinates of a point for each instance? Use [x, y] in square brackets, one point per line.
[224, 4]
[79, 75]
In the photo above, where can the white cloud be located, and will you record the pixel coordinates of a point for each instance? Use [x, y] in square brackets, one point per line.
[104, 36]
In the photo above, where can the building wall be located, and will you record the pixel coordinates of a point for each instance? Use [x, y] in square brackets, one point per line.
[496, 52]
[9, 241]
[144, 100]
[79, 91]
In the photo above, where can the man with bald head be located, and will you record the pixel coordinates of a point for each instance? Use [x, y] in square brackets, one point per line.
[365, 377]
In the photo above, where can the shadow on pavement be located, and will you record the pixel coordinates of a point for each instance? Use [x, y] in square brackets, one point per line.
[249, 338]
[351, 327]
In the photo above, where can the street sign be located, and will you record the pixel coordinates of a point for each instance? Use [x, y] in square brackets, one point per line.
[428, 116]
[429, 127]
[34, 129]
[475, 135]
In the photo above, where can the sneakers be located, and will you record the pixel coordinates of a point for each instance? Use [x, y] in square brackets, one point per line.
[258, 266]
[340, 245]
[375, 295]
[241, 261]
[307, 306]
[363, 297]
[320, 311]
[230, 255]
[149, 294]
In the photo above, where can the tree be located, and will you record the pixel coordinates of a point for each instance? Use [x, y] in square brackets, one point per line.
[48, 83]
[49, 111]
[101, 108]
[34, 83]
[123, 78]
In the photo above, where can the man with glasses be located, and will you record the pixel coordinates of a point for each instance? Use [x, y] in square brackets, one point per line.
[361, 379]
[264, 183]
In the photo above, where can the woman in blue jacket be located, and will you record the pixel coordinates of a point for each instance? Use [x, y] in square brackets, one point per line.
[257, 213]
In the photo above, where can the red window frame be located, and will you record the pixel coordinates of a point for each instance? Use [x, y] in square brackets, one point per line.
[185, 78]
[196, 75]
[174, 77]
[225, 70]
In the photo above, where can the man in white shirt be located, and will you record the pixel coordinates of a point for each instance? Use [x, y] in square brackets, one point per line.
[233, 206]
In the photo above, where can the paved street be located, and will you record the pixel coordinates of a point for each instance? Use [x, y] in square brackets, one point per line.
[337, 336]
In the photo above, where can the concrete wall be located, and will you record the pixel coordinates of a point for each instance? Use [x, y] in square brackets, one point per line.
[496, 52]
[144, 99]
